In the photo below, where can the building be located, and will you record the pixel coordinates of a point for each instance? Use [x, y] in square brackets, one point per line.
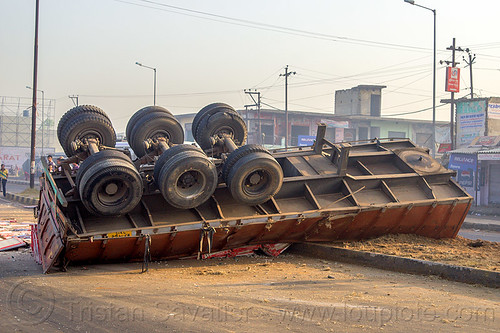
[361, 100]
[356, 116]
[478, 169]
[303, 127]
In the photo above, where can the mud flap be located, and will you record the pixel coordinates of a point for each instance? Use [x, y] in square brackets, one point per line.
[48, 233]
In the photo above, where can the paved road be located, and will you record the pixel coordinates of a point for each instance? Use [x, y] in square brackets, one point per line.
[285, 294]
[15, 188]
[14, 211]
[474, 234]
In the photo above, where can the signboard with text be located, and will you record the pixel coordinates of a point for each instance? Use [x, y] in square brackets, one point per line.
[444, 147]
[306, 140]
[452, 79]
[466, 167]
[489, 157]
[494, 110]
[471, 117]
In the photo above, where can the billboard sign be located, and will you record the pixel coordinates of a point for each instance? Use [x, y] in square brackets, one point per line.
[14, 156]
[452, 79]
[471, 117]
[489, 157]
[494, 110]
[306, 140]
[444, 147]
[466, 167]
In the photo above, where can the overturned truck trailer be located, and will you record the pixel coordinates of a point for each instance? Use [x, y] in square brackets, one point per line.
[179, 200]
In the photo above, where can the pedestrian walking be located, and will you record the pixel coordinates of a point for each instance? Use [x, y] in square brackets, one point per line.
[4, 174]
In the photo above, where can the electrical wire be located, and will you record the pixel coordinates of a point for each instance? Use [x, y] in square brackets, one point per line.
[412, 112]
[269, 27]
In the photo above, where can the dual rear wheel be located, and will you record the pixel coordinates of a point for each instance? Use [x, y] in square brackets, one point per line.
[109, 183]
[185, 176]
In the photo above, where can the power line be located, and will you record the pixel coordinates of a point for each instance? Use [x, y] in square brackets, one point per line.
[167, 95]
[412, 112]
[270, 27]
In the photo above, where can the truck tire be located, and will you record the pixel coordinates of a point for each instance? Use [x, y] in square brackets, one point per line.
[255, 178]
[239, 153]
[77, 110]
[188, 179]
[219, 124]
[152, 126]
[86, 126]
[168, 154]
[141, 113]
[208, 111]
[110, 187]
[92, 159]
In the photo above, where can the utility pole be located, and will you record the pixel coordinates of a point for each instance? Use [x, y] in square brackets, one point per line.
[73, 99]
[256, 104]
[33, 105]
[453, 63]
[43, 114]
[286, 75]
[472, 58]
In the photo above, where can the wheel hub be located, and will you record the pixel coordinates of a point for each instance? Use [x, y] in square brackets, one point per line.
[188, 180]
[111, 189]
[254, 178]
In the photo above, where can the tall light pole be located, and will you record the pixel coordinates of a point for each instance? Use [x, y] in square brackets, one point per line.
[286, 75]
[43, 111]
[412, 2]
[33, 105]
[154, 89]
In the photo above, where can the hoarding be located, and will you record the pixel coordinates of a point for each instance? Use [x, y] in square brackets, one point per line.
[494, 110]
[489, 157]
[452, 79]
[306, 140]
[16, 156]
[470, 121]
[466, 167]
[444, 147]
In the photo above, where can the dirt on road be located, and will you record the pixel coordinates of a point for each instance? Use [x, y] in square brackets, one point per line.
[459, 251]
[254, 294]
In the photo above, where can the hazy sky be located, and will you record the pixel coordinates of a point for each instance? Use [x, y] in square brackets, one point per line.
[209, 51]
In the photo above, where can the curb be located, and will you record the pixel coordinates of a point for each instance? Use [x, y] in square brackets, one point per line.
[400, 264]
[20, 182]
[21, 199]
[481, 226]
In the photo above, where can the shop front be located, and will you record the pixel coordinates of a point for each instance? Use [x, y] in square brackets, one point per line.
[489, 163]
[478, 169]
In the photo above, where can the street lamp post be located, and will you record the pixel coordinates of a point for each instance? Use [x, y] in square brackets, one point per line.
[154, 89]
[43, 112]
[412, 2]
[33, 105]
